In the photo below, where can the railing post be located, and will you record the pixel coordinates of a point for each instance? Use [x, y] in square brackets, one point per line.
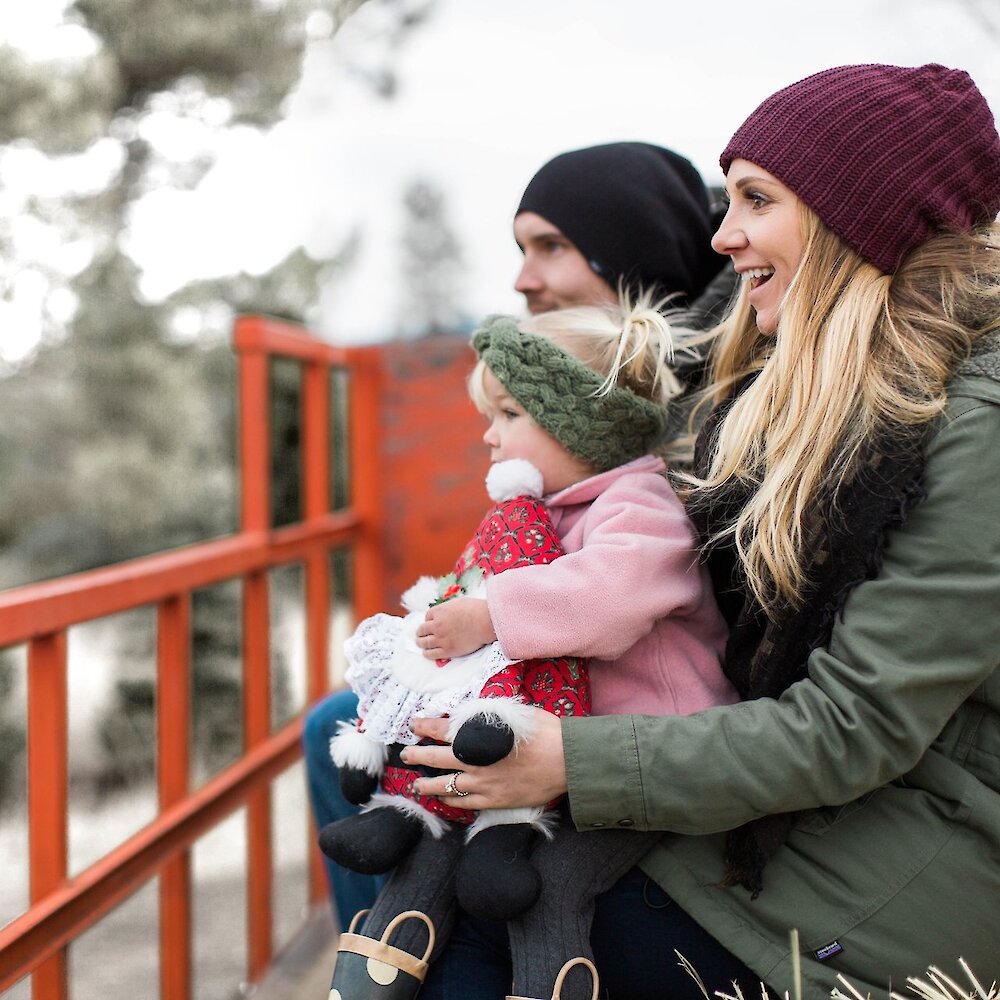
[366, 497]
[255, 440]
[47, 791]
[173, 755]
[257, 728]
[255, 481]
[316, 503]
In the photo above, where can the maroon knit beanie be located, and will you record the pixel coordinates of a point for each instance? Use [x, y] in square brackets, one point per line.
[886, 156]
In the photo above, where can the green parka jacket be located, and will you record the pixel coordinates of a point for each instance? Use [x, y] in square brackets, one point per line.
[889, 750]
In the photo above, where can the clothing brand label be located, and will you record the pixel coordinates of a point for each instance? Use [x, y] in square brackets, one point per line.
[829, 950]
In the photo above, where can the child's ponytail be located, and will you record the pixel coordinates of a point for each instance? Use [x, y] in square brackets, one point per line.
[643, 353]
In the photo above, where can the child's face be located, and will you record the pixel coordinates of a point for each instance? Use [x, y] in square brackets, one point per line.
[513, 434]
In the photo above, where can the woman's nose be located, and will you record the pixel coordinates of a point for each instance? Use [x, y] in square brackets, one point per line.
[729, 237]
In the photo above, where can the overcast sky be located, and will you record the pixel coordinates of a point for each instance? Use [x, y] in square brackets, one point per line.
[488, 92]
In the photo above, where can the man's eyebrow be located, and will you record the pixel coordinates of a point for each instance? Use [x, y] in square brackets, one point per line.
[548, 234]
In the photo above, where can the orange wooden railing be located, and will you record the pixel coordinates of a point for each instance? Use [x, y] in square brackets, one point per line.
[61, 908]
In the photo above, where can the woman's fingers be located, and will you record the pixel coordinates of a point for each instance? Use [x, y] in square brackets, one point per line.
[457, 789]
[532, 775]
[435, 729]
[432, 756]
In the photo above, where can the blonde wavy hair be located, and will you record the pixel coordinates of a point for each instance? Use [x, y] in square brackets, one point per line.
[629, 344]
[857, 354]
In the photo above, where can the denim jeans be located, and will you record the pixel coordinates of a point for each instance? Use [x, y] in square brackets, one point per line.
[350, 891]
[636, 929]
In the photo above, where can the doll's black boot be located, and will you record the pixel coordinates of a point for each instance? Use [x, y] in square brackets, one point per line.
[496, 879]
[371, 842]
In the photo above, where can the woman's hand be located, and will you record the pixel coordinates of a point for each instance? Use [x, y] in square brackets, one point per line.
[533, 774]
[455, 628]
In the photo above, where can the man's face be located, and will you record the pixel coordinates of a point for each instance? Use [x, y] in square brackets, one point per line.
[555, 274]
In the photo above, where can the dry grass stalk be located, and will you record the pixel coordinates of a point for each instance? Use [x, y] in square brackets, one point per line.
[700, 983]
[943, 987]
[938, 986]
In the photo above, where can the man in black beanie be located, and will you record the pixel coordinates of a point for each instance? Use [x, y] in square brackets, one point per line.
[626, 213]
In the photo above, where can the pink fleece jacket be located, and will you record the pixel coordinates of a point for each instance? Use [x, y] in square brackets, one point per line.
[629, 593]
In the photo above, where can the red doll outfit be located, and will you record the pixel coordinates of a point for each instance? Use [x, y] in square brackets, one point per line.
[395, 682]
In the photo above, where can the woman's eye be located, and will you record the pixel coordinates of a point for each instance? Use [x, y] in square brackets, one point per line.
[756, 199]
[511, 414]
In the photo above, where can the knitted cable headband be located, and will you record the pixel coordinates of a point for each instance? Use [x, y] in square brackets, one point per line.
[560, 394]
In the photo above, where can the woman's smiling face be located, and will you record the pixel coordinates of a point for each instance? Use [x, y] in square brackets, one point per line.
[762, 232]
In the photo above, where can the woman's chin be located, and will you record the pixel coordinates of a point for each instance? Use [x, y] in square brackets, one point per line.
[767, 322]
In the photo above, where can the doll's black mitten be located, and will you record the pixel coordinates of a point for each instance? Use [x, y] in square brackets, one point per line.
[357, 785]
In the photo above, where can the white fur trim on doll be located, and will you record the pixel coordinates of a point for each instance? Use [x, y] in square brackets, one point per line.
[422, 594]
[351, 748]
[428, 589]
[516, 477]
[436, 826]
[542, 819]
[521, 719]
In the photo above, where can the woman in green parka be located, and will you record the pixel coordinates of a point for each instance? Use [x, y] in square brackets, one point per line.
[847, 492]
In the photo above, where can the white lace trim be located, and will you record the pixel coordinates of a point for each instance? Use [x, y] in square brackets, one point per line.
[395, 682]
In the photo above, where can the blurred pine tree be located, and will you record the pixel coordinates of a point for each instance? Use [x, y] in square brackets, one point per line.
[117, 436]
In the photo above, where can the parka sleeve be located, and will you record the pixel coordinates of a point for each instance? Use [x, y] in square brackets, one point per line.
[912, 644]
[638, 563]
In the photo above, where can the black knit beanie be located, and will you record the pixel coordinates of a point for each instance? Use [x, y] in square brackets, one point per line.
[636, 212]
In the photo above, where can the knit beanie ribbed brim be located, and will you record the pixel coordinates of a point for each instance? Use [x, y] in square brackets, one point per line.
[886, 156]
[638, 213]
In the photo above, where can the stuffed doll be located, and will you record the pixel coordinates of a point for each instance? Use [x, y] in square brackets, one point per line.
[490, 700]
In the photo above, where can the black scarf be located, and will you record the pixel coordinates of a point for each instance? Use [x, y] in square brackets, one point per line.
[845, 537]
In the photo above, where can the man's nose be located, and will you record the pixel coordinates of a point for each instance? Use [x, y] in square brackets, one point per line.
[529, 279]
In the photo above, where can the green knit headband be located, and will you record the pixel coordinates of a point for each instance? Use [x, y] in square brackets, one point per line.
[559, 393]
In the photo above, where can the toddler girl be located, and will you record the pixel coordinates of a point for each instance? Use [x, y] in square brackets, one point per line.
[582, 395]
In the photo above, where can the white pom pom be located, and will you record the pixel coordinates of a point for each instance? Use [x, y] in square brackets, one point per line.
[421, 595]
[516, 477]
